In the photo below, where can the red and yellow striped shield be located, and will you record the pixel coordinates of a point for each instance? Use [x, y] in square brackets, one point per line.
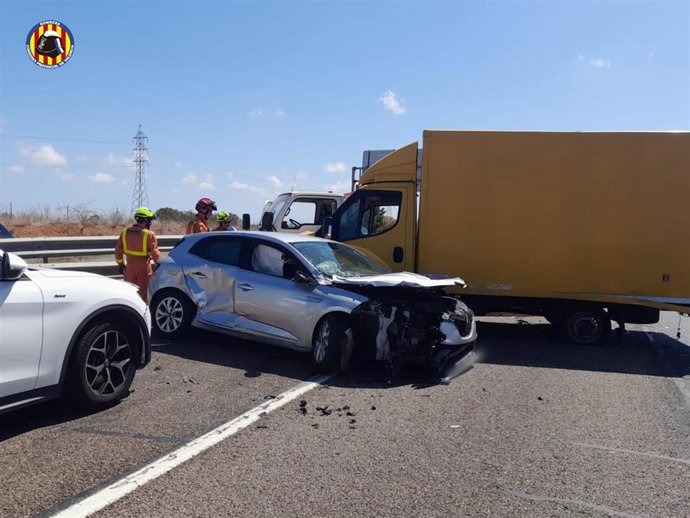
[50, 44]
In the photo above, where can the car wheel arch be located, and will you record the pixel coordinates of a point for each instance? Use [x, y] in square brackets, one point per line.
[119, 312]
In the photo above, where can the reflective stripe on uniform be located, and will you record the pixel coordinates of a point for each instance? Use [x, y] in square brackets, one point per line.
[144, 245]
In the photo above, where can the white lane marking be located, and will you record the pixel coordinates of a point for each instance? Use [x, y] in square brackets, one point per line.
[634, 452]
[126, 485]
[569, 501]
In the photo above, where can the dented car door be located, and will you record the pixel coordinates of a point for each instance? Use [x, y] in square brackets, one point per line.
[211, 277]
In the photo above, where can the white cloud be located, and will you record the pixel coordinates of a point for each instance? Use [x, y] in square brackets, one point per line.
[302, 176]
[83, 159]
[205, 186]
[3, 123]
[201, 184]
[178, 165]
[392, 103]
[275, 182]
[651, 54]
[339, 188]
[600, 63]
[256, 113]
[101, 178]
[581, 57]
[43, 155]
[279, 113]
[245, 187]
[15, 168]
[111, 160]
[336, 167]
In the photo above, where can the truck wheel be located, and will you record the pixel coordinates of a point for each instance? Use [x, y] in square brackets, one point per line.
[330, 338]
[586, 325]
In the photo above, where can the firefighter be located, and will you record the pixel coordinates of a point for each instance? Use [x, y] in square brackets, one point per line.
[223, 219]
[138, 243]
[204, 208]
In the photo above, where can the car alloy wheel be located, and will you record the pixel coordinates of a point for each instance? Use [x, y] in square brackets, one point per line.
[321, 342]
[108, 363]
[169, 314]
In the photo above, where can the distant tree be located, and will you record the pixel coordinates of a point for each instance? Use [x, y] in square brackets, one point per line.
[170, 214]
[235, 220]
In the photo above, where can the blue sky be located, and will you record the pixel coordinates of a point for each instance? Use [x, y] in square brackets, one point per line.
[241, 100]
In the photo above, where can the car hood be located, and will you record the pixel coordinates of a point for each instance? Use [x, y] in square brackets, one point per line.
[401, 279]
[55, 273]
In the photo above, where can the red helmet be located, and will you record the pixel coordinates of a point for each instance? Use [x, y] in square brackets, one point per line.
[206, 205]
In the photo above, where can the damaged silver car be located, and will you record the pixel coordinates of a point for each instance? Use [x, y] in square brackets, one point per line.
[314, 295]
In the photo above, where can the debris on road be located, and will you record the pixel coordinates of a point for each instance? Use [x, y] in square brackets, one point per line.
[324, 410]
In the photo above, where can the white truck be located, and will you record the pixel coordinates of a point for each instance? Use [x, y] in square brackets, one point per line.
[299, 212]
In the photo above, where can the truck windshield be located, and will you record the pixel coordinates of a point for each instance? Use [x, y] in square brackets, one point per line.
[337, 259]
[278, 203]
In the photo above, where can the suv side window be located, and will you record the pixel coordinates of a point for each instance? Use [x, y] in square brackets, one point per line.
[219, 249]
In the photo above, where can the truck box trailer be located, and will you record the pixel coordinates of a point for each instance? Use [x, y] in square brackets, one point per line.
[578, 227]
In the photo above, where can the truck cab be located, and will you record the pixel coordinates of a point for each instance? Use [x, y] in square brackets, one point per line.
[299, 212]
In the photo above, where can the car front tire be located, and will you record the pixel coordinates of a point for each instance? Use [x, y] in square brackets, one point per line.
[172, 313]
[329, 344]
[103, 364]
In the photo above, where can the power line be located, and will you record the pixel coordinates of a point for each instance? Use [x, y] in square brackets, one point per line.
[36, 137]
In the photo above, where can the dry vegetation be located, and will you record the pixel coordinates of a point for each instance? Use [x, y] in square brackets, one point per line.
[78, 221]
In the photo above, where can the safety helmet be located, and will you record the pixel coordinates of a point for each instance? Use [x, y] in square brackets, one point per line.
[206, 205]
[49, 44]
[144, 213]
[222, 216]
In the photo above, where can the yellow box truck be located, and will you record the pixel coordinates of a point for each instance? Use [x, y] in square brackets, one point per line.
[581, 228]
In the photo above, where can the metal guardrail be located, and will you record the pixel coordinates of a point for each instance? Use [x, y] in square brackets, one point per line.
[76, 248]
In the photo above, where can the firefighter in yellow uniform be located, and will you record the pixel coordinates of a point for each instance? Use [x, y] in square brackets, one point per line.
[139, 245]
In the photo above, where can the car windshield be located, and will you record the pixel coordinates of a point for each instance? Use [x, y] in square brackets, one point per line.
[337, 259]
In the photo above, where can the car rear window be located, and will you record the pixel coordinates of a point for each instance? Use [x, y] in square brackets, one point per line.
[219, 249]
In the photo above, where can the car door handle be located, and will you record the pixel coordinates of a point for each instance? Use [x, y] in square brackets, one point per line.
[201, 275]
[245, 287]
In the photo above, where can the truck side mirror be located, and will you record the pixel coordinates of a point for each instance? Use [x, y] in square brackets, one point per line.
[246, 222]
[267, 221]
[325, 230]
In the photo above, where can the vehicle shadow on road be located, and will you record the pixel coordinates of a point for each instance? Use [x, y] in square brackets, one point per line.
[535, 345]
[50, 413]
[254, 358]
[257, 358]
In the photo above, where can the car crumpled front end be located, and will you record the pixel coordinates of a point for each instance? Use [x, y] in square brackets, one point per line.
[415, 325]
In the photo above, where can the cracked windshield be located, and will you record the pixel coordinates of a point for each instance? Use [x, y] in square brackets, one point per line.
[335, 260]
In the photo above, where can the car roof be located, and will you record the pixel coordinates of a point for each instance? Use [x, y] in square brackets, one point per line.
[276, 237]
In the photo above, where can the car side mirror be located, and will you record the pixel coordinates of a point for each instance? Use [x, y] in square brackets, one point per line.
[12, 268]
[267, 221]
[302, 278]
[246, 222]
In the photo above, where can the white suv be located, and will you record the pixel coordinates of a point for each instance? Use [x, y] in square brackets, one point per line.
[78, 334]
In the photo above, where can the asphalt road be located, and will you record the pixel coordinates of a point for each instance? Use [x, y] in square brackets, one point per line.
[536, 428]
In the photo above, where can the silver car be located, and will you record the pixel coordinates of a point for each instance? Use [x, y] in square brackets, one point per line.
[310, 294]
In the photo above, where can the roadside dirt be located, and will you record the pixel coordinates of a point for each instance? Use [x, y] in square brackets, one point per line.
[75, 229]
